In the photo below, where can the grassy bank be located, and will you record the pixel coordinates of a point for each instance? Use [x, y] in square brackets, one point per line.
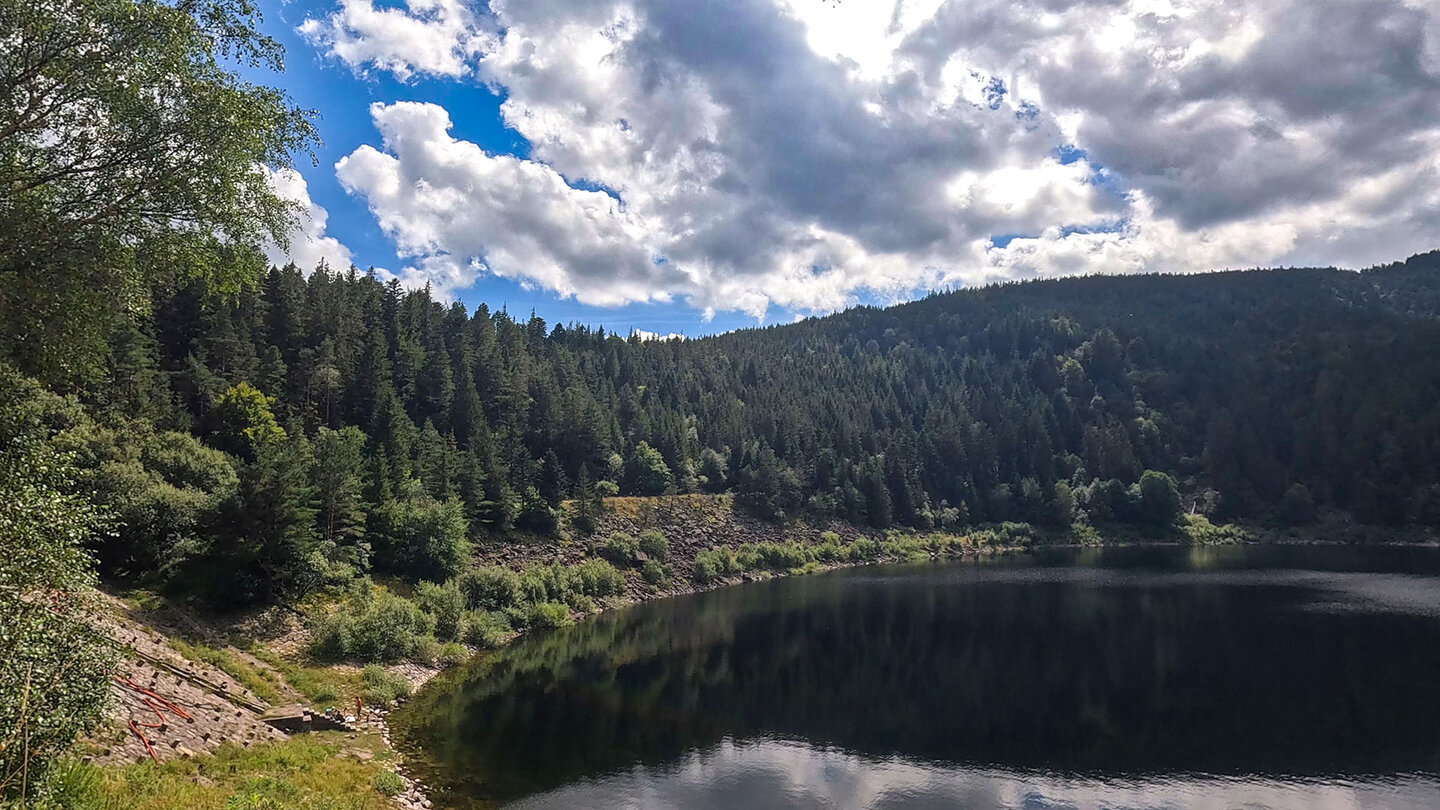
[323, 771]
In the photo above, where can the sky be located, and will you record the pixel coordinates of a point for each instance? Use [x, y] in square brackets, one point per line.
[694, 167]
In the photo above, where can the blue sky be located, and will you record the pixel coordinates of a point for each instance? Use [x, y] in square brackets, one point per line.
[715, 164]
[342, 99]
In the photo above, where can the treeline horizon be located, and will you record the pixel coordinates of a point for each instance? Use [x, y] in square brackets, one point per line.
[311, 428]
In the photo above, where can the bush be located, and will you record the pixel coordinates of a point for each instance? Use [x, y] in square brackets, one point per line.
[371, 627]
[445, 603]
[620, 548]
[715, 564]
[599, 579]
[427, 649]
[654, 544]
[388, 784]
[782, 556]
[1159, 502]
[654, 574]
[490, 587]
[453, 654]
[1297, 508]
[380, 688]
[423, 538]
[485, 629]
[549, 583]
[545, 615]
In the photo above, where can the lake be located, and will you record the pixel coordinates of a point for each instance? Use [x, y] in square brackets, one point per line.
[1157, 676]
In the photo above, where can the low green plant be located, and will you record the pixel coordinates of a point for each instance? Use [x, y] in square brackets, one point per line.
[621, 549]
[372, 625]
[486, 629]
[453, 654]
[546, 615]
[382, 688]
[388, 783]
[489, 587]
[654, 545]
[444, 602]
[655, 574]
[715, 564]
[261, 682]
[598, 578]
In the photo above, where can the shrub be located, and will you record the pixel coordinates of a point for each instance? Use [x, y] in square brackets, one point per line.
[548, 583]
[382, 688]
[1296, 508]
[422, 538]
[654, 544]
[1159, 502]
[599, 579]
[620, 548]
[782, 556]
[486, 629]
[490, 587]
[371, 627]
[427, 649]
[580, 603]
[654, 574]
[714, 564]
[546, 615]
[453, 654]
[388, 784]
[445, 603]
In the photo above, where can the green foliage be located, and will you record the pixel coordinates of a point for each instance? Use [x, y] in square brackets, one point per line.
[490, 587]
[164, 490]
[388, 783]
[245, 422]
[621, 548]
[444, 602]
[264, 544]
[372, 625]
[453, 654]
[655, 574]
[598, 578]
[1297, 508]
[654, 545]
[382, 688]
[646, 472]
[486, 629]
[1159, 502]
[422, 538]
[339, 475]
[547, 615]
[143, 100]
[1202, 532]
[52, 661]
[715, 564]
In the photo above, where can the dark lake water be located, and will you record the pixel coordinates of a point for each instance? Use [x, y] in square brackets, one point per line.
[1126, 678]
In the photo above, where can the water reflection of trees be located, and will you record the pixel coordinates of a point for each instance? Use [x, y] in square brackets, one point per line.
[1061, 675]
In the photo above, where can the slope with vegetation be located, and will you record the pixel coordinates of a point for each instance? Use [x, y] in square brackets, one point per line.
[420, 476]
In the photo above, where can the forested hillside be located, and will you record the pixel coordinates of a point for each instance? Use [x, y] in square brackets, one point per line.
[314, 427]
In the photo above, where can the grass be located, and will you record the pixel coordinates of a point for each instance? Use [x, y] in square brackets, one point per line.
[322, 687]
[301, 773]
[264, 683]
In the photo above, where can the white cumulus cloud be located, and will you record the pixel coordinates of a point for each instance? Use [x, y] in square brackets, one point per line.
[308, 243]
[798, 153]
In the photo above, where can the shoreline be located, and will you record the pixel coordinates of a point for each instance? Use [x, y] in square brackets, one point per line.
[894, 547]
